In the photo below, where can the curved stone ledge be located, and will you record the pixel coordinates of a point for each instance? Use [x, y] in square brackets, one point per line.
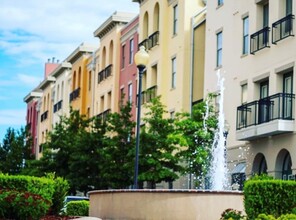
[163, 204]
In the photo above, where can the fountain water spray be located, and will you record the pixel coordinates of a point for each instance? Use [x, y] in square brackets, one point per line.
[218, 169]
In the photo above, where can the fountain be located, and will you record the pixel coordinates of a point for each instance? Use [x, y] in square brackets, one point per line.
[218, 168]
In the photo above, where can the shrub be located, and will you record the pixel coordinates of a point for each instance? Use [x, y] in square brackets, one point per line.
[36, 185]
[61, 188]
[78, 208]
[22, 205]
[265, 217]
[232, 214]
[275, 197]
[287, 217]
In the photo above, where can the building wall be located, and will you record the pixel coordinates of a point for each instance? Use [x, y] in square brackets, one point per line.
[128, 70]
[238, 69]
[31, 120]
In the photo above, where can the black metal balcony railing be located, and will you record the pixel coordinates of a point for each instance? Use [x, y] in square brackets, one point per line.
[44, 116]
[259, 40]
[105, 73]
[75, 94]
[278, 106]
[147, 95]
[103, 116]
[57, 106]
[151, 41]
[145, 43]
[154, 39]
[283, 28]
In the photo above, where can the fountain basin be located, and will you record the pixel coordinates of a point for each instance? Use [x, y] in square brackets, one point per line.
[163, 204]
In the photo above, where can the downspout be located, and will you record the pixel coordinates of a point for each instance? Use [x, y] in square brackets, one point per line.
[192, 55]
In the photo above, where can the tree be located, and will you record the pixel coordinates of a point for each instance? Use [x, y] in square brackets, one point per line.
[196, 132]
[120, 148]
[157, 159]
[15, 151]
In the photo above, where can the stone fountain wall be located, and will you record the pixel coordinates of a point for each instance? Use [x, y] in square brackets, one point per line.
[163, 204]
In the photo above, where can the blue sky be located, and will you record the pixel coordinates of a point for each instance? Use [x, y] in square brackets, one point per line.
[33, 31]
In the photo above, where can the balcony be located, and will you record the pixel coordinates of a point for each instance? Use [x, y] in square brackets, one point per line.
[74, 95]
[105, 73]
[151, 41]
[44, 116]
[282, 28]
[57, 106]
[148, 95]
[260, 40]
[265, 117]
[103, 116]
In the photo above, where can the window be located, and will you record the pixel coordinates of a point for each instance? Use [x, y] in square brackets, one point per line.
[244, 97]
[289, 10]
[220, 2]
[131, 52]
[219, 49]
[246, 35]
[89, 80]
[265, 15]
[123, 57]
[172, 115]
[174, 72]
[130, 93]
[175, 25]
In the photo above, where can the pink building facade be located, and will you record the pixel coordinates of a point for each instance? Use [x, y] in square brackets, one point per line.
[128, 69]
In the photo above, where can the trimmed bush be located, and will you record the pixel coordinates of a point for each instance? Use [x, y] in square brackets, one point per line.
[61, 188]
[22, 205]
[36, 185]
[273, 197]
[78, 208]
[232, 214]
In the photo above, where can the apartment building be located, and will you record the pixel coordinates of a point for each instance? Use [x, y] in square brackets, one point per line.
[80, 95]
[60, 91]
[252, 45]
[32, 115]
[108, 63]
[128, 70]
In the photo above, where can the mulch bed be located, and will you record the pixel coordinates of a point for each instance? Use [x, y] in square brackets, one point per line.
[54, 217]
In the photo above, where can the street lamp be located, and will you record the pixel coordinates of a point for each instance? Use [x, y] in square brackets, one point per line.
[141, 60]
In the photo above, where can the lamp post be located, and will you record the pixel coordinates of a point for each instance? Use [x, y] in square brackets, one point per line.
[141, 60]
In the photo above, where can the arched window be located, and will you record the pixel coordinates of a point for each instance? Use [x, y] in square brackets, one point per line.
[156, 18]
[145, 25]
[111, 52]
[287, 164]
[74, 81]
[259, 164]
[104, 58]
[62, 91]
[58, 94]
[79, 77]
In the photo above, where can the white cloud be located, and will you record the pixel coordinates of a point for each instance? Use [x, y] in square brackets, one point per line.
[12, 117]
[29, 80]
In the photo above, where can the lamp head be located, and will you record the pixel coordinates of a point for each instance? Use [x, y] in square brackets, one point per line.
[141, 58]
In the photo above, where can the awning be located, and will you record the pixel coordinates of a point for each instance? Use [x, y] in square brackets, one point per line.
[239, 168]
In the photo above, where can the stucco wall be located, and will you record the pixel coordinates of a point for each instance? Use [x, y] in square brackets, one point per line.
[163, 204]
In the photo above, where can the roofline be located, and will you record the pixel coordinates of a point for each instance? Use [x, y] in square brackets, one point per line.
[82, 48]
[59, 70]
[31, 95]
[114, 19]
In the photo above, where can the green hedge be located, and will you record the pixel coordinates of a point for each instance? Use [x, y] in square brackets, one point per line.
[78, 208]
[22, 205]
[272, 197]
[42, 186]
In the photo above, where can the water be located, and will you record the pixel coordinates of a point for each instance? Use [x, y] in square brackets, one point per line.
[218, 169]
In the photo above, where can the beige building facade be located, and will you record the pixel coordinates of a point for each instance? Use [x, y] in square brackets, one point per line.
[252, 45]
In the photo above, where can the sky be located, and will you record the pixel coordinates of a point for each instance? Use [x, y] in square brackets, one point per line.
[33, 31]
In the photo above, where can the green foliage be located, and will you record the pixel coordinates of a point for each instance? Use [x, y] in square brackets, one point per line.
[41, 186]
[232, 214]
[61, 188]
[158, 161]
[15, 152]
[196, 133]
[287, 217]
[275, 197]
[78, 208]
[22, 205]
[262, 176]
[265, 217]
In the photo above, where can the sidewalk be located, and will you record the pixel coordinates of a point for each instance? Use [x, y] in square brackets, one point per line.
[89, 218]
